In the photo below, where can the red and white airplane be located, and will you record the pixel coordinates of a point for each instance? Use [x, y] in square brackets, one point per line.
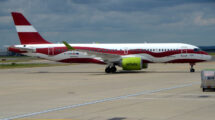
[128, 56]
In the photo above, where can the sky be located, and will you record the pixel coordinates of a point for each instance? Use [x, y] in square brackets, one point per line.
[113, 21]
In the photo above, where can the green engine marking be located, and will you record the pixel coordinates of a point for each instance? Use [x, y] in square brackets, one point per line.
[132, 63]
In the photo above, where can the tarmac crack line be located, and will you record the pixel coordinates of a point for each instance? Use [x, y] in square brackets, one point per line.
[97, 101]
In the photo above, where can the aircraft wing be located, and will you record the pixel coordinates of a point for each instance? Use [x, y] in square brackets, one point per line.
[107, 57]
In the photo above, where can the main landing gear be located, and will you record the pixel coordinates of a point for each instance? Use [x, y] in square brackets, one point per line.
[191, 67]
[110, 69]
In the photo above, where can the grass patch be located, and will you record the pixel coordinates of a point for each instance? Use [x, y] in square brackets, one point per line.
[19, 65]
[212, 53]
[17, 59]
[14, 57]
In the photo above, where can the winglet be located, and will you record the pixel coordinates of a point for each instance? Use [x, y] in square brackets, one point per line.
[69, 47]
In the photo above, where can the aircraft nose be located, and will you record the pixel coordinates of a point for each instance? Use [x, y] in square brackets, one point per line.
[209, 57]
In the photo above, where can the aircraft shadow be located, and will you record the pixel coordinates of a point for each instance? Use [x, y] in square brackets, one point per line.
[146, 72]
[118, 72]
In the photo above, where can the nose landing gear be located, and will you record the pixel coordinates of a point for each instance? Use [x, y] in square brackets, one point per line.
[191, 67]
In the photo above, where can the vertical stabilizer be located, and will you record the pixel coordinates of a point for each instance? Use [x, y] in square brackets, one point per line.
[26, 32]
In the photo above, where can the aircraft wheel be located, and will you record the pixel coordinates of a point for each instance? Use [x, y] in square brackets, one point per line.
[107, 69]
[192, 70]
[191, 67]
[113, 69]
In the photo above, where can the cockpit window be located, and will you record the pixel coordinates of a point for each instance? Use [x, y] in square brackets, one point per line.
[196, 49]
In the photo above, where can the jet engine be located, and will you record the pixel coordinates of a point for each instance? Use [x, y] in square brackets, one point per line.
[132, 63]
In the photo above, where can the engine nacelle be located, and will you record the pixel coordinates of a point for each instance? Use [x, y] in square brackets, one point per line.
[133, 63]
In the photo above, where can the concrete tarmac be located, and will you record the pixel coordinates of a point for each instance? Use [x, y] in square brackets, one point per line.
[85, 92]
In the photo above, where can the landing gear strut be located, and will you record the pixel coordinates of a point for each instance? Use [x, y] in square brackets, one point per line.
[110, 69]
[191, 67]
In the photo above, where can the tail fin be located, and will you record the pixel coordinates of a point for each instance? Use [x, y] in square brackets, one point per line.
[26, 32]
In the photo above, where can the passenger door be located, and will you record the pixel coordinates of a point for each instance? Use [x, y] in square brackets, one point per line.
[183, 51]
[125, 51]
[51, 51]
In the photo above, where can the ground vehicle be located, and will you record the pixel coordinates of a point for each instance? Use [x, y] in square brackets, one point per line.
[208, 79]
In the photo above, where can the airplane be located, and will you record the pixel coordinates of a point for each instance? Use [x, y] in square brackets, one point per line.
[129, 56]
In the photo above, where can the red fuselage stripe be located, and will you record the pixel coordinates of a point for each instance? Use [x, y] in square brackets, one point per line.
[58, 50]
